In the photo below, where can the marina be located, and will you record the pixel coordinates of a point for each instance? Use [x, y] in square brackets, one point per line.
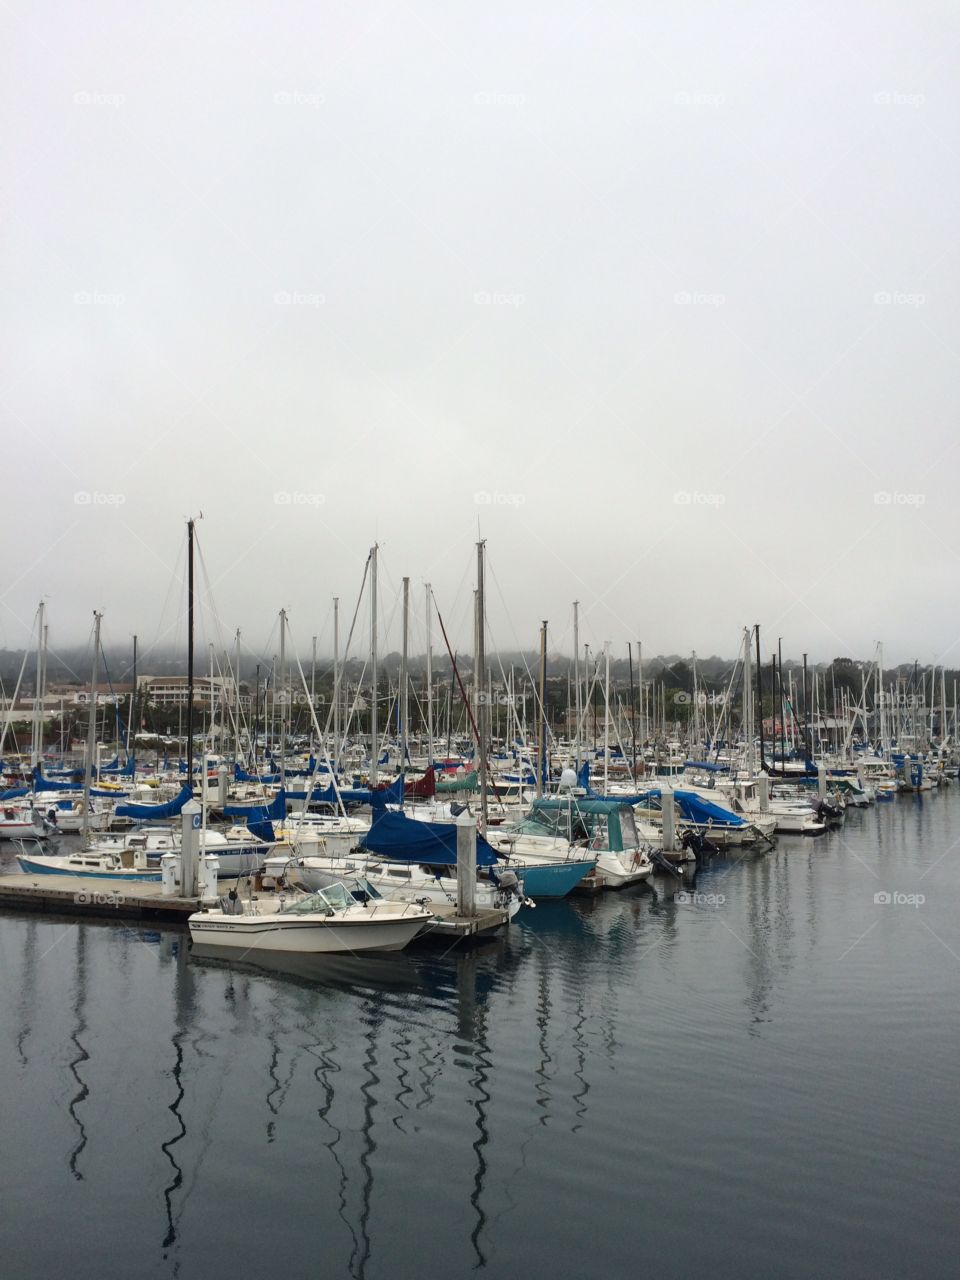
[792, 1087]
[479, 675]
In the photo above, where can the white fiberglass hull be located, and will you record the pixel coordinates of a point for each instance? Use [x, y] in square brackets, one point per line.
[384, 932]
[617, 872]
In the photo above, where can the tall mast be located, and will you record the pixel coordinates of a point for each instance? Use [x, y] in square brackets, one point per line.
[542, 713]
[606, 716]
[35, 729]
[133, 697]
[236, 697]
[374, 732]
[763, 764]
[190, 541]
[748, 704]
[633, 709]
[576, 672]
[640, 687]
[91, 734]
[313, 685]
[336, 681]
[282, 681]
[404, 682]
[480, 684]
[429, 680]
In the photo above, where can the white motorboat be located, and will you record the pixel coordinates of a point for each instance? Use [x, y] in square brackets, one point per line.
[328, 920]
[397, 881]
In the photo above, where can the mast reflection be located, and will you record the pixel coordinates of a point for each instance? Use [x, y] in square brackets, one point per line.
[79, 1013]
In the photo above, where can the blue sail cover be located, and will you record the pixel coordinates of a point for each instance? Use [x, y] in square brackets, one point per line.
[15, 793]
[275, 811]
[155, 812]
[40, 783]
[120, 771]
[404, 839]
[241, 775]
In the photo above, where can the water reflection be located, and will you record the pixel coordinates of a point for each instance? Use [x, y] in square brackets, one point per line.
[184, 1012]
[80, 1027]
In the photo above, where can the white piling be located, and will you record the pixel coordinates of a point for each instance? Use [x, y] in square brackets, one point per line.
[466, 864]
[190, 817]
[822, 781]
[669, 820]
[763, 790]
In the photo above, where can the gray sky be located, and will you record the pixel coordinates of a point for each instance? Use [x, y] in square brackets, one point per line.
[664, 295]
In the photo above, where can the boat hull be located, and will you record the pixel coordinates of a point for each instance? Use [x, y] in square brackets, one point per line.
[549, 880]
[312, 937]
[60, 867]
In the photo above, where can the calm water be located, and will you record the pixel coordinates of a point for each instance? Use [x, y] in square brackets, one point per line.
[762, 1081]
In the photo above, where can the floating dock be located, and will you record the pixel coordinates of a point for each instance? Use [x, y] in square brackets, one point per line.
[65, 896]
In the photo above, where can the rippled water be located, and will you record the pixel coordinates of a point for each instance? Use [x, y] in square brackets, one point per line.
[761, 1080]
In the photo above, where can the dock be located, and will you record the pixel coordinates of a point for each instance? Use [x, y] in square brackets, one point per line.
[65, 896]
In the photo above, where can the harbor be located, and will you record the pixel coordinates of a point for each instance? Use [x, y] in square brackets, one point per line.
[479, 673]
[721, 1051]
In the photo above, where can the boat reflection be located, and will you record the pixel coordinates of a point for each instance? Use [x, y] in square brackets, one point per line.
[393, 972]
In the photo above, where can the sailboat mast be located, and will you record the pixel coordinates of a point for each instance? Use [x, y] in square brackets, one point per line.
[35, 729]
[542, 714]
[606, 716]
[404, 681]
[429, 682]
[374, 732]
[576, 672]
[283, 697]
[763, 764]
[190, 603]
[336, 681]
[91, 734]
[133, 698]
[480, 685]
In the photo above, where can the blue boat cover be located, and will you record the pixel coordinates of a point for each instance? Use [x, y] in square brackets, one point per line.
[275, 811]
[241, 775]
[40, 783]
[15, 793]
[122, 771]
[403, 839]
[154, 812]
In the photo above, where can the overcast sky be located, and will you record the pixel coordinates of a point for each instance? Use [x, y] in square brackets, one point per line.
[662, 295]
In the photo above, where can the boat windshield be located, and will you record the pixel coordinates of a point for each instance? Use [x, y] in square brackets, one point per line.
[628, 829]
[334, 897]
